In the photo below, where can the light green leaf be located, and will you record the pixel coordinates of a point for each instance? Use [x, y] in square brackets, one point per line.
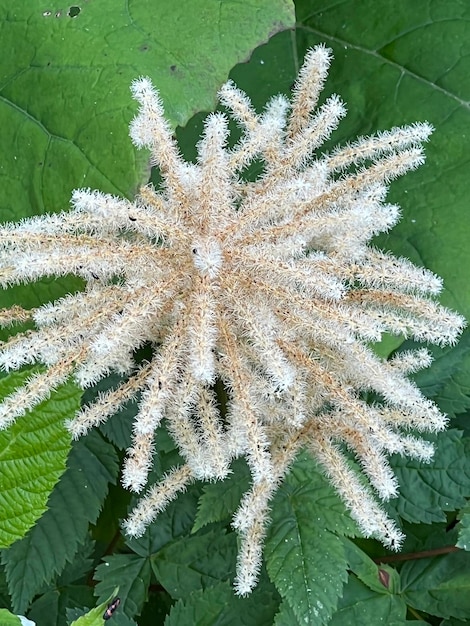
[427, 490]
[74, 503]
[438, 585]
[65, 101]
[8, 619]
[306, 562]
[33, 453]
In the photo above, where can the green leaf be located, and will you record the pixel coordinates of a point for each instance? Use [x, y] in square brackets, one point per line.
[131, 573]
[379, 578]
[65, 101]
[74, 503]
[286, 616]
[464, 530]
[220, 500]
[306, 562]
[427, 490]
[95, 616]
[33, 452]
[195, 562]
[446, 381]
[8, 619]
[361, 606]
[175, 521]
[438, 585]
[312, 489]
[397, 63]
[218, 605]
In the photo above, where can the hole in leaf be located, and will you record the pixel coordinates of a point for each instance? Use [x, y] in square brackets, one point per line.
[74, 11]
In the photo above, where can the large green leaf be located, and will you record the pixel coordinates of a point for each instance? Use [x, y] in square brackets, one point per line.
[427, 490]
[306, 562]
[446, 382]
[131, 573]
[220, 500]
[65, 102]
[398, 62]
[75, 502]
[196, 562]
[33, 452]
[439, 585]
[361, 606]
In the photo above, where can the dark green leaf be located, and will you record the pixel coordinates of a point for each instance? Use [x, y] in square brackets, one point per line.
[195, 562]
[427, 490]
[306, 562]
[446, 381]
[464, 530]
[439, 585]
[175, 521]
[75, 501]
[219, 606]
[379, 578]
[131, 573]
[220, 500]
[361, 606]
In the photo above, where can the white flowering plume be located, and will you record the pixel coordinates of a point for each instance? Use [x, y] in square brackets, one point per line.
[269, 286]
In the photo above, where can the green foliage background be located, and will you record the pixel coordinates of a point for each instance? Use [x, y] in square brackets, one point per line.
[64, 109]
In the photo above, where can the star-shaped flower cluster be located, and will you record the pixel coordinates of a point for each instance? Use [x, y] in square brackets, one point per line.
[269, 286]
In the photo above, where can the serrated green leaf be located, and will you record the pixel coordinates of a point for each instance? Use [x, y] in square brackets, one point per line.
[361, 606]
[195, 562]
[427, 490]
[379, 578]
[8, 619]
[463, 541]
[438, 585]
[218, 605]
[33, 453]
[286, 616]
[65, 82]
[131, 573]
[312, 491]
[306, 562]
[74, 503]
[220, 500]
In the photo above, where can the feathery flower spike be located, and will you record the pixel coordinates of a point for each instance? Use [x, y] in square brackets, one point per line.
[270, 286]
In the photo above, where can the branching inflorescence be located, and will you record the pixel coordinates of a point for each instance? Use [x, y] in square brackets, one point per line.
[268, 286]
